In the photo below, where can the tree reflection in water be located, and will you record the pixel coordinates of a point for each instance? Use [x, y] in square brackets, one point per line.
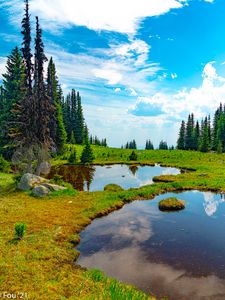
[133, 169]
[80, 177]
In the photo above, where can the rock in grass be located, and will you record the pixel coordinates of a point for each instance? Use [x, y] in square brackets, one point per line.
[171, 204]
[40, 191]
[54, 187]
[29, 181]
[113, 188]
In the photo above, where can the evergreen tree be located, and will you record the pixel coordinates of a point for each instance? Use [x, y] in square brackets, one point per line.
[149, 145]
[189, 136]
[85, 133]
[181, 138]
[205, 143]
[133, 156]
[72, 139]
[87, 155]
[80, 121]
[11, 94]
[57, 129]
[24, 130]
[44, 109]
[73, 156]
[196, 136]
[26, 48]
[163, 145]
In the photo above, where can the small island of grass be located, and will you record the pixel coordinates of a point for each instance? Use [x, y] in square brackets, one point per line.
[113, 188]
[171, 204]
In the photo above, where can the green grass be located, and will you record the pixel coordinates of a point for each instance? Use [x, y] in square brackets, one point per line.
[171, 204]
[113, 187]
[42, 263]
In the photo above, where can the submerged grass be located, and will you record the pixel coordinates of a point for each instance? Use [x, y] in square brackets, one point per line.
[43, 264]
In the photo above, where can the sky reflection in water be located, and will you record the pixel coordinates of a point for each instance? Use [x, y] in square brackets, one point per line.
[180, 255]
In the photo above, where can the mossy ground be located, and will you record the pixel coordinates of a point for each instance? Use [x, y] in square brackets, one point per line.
[113, 188]
[171, 204]
[42, 264]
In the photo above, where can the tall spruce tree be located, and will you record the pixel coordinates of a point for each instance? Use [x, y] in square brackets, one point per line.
[14, 91]
[44, 109]
[189, 136]
[57, 129]
[24, 130]
[181, 138]
[26, 48]
[205, 143]
[196, 136]
[80, 121]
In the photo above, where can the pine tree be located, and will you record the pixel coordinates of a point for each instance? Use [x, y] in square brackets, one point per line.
[44, 109]
[87, 155]
[12, 92]
[181, 138]
[196, 136]
[189, 136]
[72, 139]
[85, 133]
[80, 121]
[26, 49]
[57, 129]
[205, 144]
[24, 130]
[163, 145]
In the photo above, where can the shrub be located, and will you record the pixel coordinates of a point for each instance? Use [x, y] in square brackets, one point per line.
[133, 156]
[73, 156]
[4, 164]
[87, 155]
[113, 188]
[20, 229]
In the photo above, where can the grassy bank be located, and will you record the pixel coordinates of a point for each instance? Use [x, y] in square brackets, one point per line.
[42, 264]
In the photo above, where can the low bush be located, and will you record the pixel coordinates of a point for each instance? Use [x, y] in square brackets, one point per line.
[20, 230]
[113, 188]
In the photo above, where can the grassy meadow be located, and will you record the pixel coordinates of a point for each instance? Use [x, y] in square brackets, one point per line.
[43, 264]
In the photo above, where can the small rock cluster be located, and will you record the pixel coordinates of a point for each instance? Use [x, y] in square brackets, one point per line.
[40, 186]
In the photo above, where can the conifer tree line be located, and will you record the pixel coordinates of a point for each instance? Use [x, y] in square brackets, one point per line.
[94, 140]
[130, 145]
[149, 145]
[204, 136]
[33, 111]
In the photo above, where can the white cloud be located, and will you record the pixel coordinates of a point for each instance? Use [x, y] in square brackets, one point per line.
[2, 66]
[125, 65]
[201, 100]
[174, 76]
[117, 90]
[113, 15]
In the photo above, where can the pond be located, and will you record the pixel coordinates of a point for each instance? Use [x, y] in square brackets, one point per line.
[180, 255]
[94, 178]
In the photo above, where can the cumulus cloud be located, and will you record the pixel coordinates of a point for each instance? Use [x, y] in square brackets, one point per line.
[123, 64]
[113, 15]
[201, 100]
[2, 66]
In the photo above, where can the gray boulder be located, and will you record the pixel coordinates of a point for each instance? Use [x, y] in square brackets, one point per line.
[40, 191]
[29, 181]
[53, 187]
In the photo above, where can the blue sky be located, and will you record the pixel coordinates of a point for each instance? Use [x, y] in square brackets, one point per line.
[141, 66]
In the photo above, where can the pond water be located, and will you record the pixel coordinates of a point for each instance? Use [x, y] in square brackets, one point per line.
[180, 255]
[94, 178]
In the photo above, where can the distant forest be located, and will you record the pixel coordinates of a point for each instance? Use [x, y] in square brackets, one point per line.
[203, 136]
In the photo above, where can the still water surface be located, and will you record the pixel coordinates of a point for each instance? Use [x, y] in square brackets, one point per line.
[94, 178]
[180, 255]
